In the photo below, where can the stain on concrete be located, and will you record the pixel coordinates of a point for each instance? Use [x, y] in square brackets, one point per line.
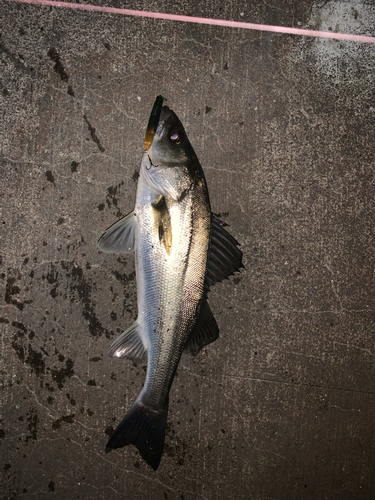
[112, 195]
[73, 279]
[112, 199]
[50, 177]
[58, 67]
[66, 419]
[72, 401]
[71, 91]
[135, 176]
[52, 278]
[95, 359]
[32, 420]
[93, 135]
[74, 166]
[11, 289]
[60, 375]
[30, 356]
[19, 63]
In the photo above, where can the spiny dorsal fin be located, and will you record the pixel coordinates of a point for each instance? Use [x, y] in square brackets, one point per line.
[120, 237]
[129, 345]
[224, 256]
[205, 332]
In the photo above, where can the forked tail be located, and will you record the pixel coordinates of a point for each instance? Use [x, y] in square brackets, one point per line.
[145, 428]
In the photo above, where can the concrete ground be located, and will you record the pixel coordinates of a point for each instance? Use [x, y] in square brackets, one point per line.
[282, 405]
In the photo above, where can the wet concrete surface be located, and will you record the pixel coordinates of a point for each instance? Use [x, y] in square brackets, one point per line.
[282, 405]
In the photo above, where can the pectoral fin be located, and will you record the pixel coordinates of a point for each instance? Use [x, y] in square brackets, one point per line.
[206, 330]
[162, 223]
[120, 237]
[224, 256]
[129, 345]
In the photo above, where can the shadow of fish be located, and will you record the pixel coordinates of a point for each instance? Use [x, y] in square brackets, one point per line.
[181, 249]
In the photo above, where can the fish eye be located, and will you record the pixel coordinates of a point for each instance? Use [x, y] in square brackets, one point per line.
[176, 137]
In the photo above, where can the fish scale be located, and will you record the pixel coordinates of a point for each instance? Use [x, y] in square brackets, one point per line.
[172, 316]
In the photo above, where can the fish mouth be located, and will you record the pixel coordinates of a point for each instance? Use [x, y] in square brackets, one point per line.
[153, 121]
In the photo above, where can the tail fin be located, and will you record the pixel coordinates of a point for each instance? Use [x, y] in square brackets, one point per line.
[145, 428]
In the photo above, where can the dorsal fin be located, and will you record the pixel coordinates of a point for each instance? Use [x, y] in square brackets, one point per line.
[205, 332]
[224, 256]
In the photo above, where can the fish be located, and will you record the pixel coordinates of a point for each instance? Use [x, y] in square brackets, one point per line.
[181, 250]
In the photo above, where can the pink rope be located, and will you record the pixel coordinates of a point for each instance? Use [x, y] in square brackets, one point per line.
[203, 20]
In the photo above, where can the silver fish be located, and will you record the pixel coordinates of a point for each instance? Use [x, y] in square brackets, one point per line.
[181, 249]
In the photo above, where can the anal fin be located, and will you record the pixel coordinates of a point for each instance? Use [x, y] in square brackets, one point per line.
[129, 345]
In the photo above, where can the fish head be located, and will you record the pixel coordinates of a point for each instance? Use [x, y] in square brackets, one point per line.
[169, 164]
